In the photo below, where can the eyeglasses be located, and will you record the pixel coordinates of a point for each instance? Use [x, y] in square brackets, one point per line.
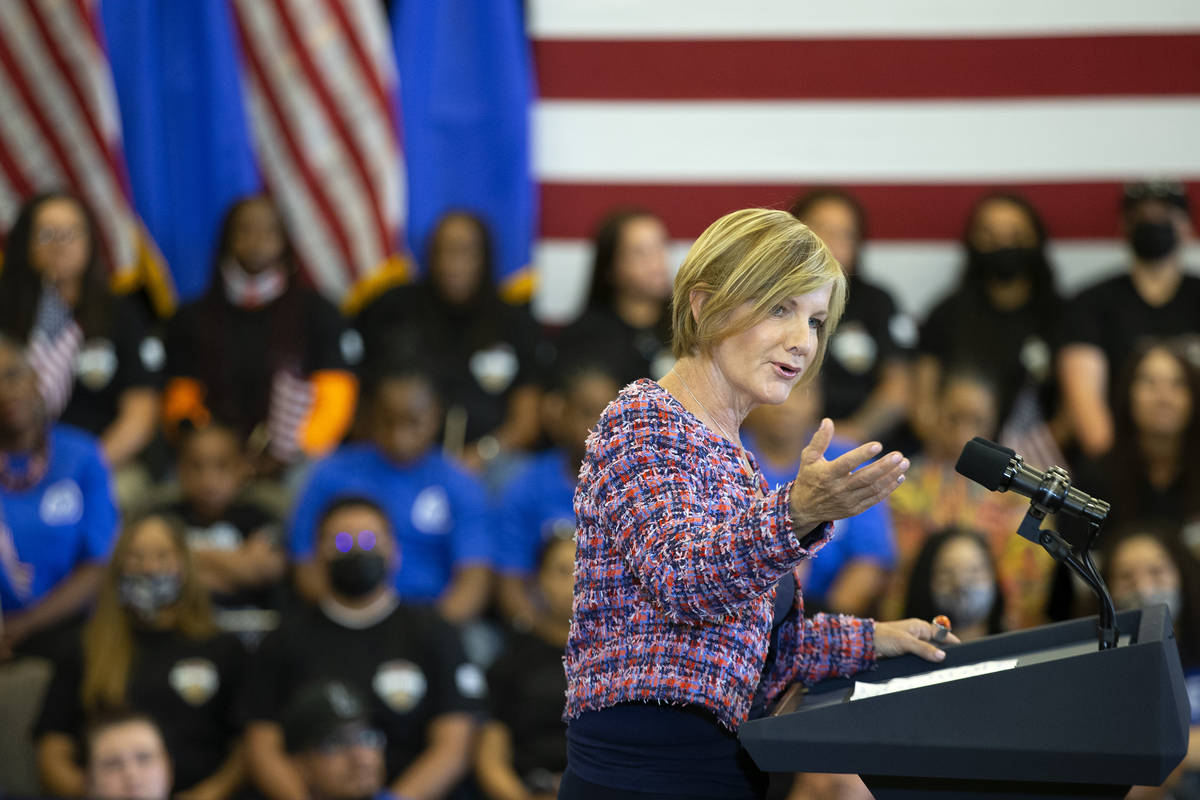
[46, 236]
[360, 737]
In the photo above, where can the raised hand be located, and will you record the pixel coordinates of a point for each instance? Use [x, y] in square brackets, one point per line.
[829, 490]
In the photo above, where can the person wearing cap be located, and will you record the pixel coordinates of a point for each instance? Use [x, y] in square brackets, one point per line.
[329, 738]
[406, 660]
[1104, 322]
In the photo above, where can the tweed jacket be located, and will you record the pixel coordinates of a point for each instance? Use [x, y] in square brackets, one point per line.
[676, 568]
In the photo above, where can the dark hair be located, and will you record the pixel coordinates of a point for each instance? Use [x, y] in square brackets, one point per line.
[569, 372]
[918, 600]
[188, 430]
[605, 243]
[485, 290]
[1126, 462]
[1187, 627]
[1171, 193]
[21, 285]
[417, 371]
[803, 205]
[103, 721]
[1044, 296]
[345, 501]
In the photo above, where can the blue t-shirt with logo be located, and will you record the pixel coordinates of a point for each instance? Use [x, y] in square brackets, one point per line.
[439, 513]
[867, 535]
[69, 518]
[537, 504]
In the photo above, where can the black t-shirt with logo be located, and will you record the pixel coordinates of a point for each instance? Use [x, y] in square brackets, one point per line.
[479, 354]
[186, 686]
[601, 337]
[409, 666]
[526, 687]
[1112, 316]
[871, 334]
[236, 352]
[131, 357]
[1015, 348]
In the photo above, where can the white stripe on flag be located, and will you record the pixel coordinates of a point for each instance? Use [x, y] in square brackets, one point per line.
[791, 142]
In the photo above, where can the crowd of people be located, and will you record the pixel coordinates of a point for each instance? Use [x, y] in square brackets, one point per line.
[269, 549]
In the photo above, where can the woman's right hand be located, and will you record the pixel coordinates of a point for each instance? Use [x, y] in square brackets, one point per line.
[829, 490]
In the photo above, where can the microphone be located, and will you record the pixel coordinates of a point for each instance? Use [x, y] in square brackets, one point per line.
[1000, 469]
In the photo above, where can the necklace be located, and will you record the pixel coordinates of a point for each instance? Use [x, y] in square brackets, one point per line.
[736, 442]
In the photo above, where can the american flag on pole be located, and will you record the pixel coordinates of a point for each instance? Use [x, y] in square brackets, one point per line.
[60, 129]
[693, 108]
[320, 81]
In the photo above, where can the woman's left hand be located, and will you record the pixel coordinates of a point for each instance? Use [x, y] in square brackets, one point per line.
[909, 636]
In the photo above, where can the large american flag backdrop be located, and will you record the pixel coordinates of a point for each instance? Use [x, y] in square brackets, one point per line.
[697, 107]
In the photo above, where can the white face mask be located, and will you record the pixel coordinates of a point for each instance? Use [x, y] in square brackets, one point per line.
[966, 605]
[1173, 598]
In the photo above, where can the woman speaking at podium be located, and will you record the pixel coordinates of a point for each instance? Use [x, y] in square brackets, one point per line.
[688, 619]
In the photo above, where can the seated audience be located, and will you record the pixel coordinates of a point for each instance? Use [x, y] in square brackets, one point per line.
[935, 497]
[328, 735]
[1154, 298]
[1151, 472]
[260, 350]
[437, 512]
[486, 351]
[865, 379]
[57, 515]
[126, 758]
[407, 660]
[151, 646]
[954, 575]
[1147, 564]
[852, 572]
[1002, 318]
[98, 366]
[626, 325]
[539, 502]
[522, 748]
[235, 542]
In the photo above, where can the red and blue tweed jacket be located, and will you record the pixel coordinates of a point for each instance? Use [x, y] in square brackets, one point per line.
[676, 567]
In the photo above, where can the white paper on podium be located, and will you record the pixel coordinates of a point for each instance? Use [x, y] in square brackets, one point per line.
[862, 689]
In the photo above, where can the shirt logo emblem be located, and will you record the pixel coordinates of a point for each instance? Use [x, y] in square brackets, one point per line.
[62, 504]
[195, 679]
[400, 685]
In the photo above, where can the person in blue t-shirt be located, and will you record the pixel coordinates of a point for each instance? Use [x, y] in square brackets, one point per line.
[57, 514]
[438, 511]
[851, 572]
[539, 502]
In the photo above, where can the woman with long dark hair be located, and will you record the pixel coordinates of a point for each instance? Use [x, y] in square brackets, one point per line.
[151, 646]
[97, 363]
[487, 351]
[260, 350]
[954, 574]
[1002, 317]
[626, 324]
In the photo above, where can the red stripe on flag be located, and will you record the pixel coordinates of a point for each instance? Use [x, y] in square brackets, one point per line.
[71, 80]
[49, 135]
[366, 65]
[1084, 210]
[327, 104]
[12, 171]
[315, 187]
[624, 69]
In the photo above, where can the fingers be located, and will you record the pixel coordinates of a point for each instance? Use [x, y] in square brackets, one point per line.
[848, 462]
[819, 442]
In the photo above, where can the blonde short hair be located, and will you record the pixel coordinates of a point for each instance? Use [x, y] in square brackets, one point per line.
[759, 257]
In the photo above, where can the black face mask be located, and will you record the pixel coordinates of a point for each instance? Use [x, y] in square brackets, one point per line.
[1005, 264]
[357, 574]
[1153, 241]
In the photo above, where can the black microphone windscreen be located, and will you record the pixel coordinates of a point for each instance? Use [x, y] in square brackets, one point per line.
[984, 462]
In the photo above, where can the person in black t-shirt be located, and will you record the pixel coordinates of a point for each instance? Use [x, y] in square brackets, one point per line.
[625, 325]
[407, 660]
[1155, 298]
[151, 646]
[522, 749]
[1002, 319]
[99, 367]
[235, 542]
[261, 351]
[487, 352]
[865, 380]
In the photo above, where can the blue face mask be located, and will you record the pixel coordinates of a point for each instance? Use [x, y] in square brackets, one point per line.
[146, 595]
